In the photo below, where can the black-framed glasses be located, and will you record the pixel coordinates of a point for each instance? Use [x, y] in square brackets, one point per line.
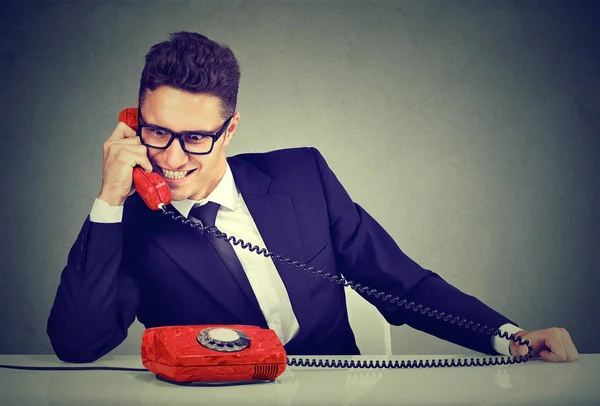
[192, 142]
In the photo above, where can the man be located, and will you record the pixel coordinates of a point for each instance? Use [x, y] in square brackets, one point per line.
[129, 261]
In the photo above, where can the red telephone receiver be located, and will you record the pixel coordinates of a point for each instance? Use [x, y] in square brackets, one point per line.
[151, 187]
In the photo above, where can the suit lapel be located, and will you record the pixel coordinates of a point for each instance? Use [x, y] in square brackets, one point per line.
[276, 221]
[189, 249]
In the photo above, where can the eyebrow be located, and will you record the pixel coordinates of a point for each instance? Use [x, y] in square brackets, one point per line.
[212, 132]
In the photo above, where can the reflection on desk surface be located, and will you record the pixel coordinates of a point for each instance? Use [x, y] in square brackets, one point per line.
[534, 382]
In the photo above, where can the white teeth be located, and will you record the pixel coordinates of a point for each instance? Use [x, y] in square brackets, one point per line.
[174, 174]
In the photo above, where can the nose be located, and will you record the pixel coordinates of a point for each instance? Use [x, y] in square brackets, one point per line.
[175, 157]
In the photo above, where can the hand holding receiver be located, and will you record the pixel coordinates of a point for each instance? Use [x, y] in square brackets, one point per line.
[122, 152]
[151, 187]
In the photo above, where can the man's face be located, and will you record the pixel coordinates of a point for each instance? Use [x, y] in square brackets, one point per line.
[181, 111]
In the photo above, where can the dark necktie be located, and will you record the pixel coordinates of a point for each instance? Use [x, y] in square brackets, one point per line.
[207, 214]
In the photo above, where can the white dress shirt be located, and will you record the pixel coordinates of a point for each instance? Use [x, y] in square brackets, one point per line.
[234, 218]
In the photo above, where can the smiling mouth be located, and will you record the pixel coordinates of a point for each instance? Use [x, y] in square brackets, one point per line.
[175, 175]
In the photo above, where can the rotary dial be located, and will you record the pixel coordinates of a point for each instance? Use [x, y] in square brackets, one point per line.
[223, 339]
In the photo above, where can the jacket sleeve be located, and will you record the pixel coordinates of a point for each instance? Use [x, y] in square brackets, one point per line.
[368, 255]
[96, 299]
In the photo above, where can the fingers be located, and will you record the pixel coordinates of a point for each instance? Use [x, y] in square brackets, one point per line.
[143, 161]
[133, 159]
[556, 354]
[126, 141]
[555, 344]
[521, 350]
[561, 347]
[122, 131]
[572, 353]
[115, 147]
[517, 349]
[547, 356]
[129, 151]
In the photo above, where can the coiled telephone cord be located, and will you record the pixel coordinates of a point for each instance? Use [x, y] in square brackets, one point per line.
[386, 297]
[331, 363]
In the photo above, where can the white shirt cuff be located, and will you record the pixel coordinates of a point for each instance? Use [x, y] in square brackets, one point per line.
[102, 212]
[501, 344]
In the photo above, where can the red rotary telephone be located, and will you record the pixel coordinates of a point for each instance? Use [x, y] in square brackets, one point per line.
[213, 354]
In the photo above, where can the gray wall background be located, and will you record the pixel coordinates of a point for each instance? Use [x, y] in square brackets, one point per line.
[468, 129]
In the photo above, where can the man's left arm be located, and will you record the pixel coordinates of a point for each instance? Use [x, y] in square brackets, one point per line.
[367, 254]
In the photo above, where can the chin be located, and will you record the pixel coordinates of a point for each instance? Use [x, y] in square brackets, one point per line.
[180, 196]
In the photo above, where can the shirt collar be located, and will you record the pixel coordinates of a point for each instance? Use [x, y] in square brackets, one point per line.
[225, 194]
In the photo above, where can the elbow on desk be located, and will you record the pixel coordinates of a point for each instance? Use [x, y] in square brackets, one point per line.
[73, 348]
[75, 357]
[70, 350]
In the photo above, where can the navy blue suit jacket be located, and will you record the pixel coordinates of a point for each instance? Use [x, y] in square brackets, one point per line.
[164, 273]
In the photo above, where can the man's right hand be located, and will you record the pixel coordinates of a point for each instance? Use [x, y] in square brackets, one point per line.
[122, 152]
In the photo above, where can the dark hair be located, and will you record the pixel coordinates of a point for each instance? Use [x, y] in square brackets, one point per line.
[191, 62]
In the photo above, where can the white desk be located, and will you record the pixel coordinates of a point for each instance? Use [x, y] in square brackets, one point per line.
[531, 383]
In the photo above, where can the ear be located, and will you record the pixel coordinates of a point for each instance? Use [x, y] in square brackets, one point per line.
[231, 129]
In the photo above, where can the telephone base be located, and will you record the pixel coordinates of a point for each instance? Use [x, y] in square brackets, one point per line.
[227, 383]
